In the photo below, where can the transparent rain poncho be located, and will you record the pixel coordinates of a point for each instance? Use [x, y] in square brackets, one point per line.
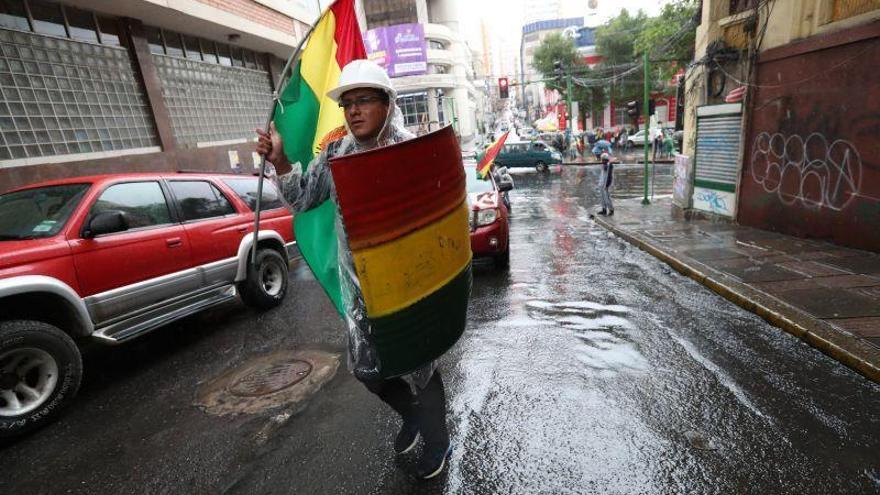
[310, 189]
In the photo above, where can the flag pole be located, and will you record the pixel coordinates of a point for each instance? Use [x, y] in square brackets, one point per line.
[282, 82]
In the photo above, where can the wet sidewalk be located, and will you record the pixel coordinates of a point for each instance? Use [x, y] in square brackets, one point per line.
[826, 294]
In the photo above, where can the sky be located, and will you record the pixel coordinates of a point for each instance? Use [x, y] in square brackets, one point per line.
[504, 19]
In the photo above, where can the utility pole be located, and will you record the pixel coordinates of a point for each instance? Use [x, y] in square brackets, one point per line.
[568, 107]
[647, 127]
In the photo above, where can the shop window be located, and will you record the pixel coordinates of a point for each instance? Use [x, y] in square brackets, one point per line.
[13, 15]
[173, 43]
[48, 18]
[81, 24]
[154, 39]
[193, 50]
[390, 12]
[209, 51]
[223, 55]
[236, 57]
[110, 33]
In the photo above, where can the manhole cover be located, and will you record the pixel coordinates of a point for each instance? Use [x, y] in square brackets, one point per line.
[278, 379]
[268, 379]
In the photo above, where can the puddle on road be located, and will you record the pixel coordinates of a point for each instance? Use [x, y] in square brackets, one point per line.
[603, 332]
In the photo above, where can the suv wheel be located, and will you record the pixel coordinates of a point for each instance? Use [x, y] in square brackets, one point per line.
[266, 282]
[541, 167]
[40, 373]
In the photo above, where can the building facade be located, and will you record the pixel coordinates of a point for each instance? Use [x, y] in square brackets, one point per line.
[100, 87]
[444, 93]
[781, 117]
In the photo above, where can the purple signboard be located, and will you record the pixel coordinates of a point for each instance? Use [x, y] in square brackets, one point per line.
[399, 49]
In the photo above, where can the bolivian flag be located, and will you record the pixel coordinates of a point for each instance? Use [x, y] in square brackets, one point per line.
[406, 217]
[485, 164]
[307, 118]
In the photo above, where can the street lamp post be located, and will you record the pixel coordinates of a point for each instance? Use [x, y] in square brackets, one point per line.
[522, 77]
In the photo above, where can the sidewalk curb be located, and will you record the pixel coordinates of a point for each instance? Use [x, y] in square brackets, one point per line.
[837, 344]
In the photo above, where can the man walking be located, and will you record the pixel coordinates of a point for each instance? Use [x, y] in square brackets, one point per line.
[605, 181]
[372, 120]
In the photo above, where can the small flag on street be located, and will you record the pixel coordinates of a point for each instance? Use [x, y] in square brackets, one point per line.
[485, 164]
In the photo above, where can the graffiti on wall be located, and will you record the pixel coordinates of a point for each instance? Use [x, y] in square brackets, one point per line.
[810, 171]
[717, 202]
[811, 165]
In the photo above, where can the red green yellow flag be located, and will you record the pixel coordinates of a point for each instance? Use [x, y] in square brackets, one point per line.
[305, 116]
[489, 158]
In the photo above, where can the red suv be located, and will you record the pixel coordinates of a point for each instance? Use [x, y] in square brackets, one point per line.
[109, 258]
[489, 219]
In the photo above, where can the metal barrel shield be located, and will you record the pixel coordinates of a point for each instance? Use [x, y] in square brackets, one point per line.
[405, 213]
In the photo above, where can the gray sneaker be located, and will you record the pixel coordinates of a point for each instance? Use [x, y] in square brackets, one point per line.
[432, 462]
[406, 439]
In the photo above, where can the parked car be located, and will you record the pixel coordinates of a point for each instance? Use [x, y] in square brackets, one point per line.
[531, 154]
[110, 258]
[489, 219]
[638, 139]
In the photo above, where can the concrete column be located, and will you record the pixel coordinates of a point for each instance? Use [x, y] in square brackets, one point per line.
[422, 11]
[139, 50]
[433, 112]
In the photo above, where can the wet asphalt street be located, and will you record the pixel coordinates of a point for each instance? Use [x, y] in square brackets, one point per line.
[589, 367]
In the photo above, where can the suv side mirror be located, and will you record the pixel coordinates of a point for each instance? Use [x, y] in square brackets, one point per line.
[106, 222]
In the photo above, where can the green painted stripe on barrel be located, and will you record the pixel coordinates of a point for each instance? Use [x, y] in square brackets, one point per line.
[424, 331]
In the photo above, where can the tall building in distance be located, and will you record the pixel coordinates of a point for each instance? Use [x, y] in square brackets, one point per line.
[98, 87]
[541, 10]
[432, 68]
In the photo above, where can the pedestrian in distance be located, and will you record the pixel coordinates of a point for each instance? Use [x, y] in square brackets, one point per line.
[372, 120]
[668, 145]
[606, 179]
[657, 145]
[601, 146]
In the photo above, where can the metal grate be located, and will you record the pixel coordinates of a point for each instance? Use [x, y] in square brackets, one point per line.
[210, 102]
[62, 97]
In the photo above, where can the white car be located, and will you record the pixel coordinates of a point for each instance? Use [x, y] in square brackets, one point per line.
[638, 139]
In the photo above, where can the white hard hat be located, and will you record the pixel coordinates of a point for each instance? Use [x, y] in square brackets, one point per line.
[362, 74]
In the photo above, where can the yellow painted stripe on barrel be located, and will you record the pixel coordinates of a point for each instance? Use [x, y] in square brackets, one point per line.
[399, 273]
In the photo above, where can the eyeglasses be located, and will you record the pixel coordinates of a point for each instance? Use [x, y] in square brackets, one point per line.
[359, 102]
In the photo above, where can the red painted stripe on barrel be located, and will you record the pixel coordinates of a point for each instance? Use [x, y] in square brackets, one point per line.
[382, 201]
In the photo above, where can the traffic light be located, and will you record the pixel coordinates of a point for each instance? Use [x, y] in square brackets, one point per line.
[650, 107]
[632, 109]
[503, 91]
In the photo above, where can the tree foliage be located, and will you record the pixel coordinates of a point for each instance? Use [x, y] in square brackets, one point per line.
[621, 42]
[616, 43]
[661, 31]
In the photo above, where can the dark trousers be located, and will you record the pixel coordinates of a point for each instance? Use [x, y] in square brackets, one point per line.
[425, 409]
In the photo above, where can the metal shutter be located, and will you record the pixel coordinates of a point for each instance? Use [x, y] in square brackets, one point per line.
[718, 144]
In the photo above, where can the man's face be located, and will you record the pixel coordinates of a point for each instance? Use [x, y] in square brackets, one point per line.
[365, 111]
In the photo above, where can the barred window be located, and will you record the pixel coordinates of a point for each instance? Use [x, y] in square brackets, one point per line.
[390, 12]
[414, 108]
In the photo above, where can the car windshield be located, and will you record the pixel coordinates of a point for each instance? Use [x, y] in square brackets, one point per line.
[474, 183]
[39, 212]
